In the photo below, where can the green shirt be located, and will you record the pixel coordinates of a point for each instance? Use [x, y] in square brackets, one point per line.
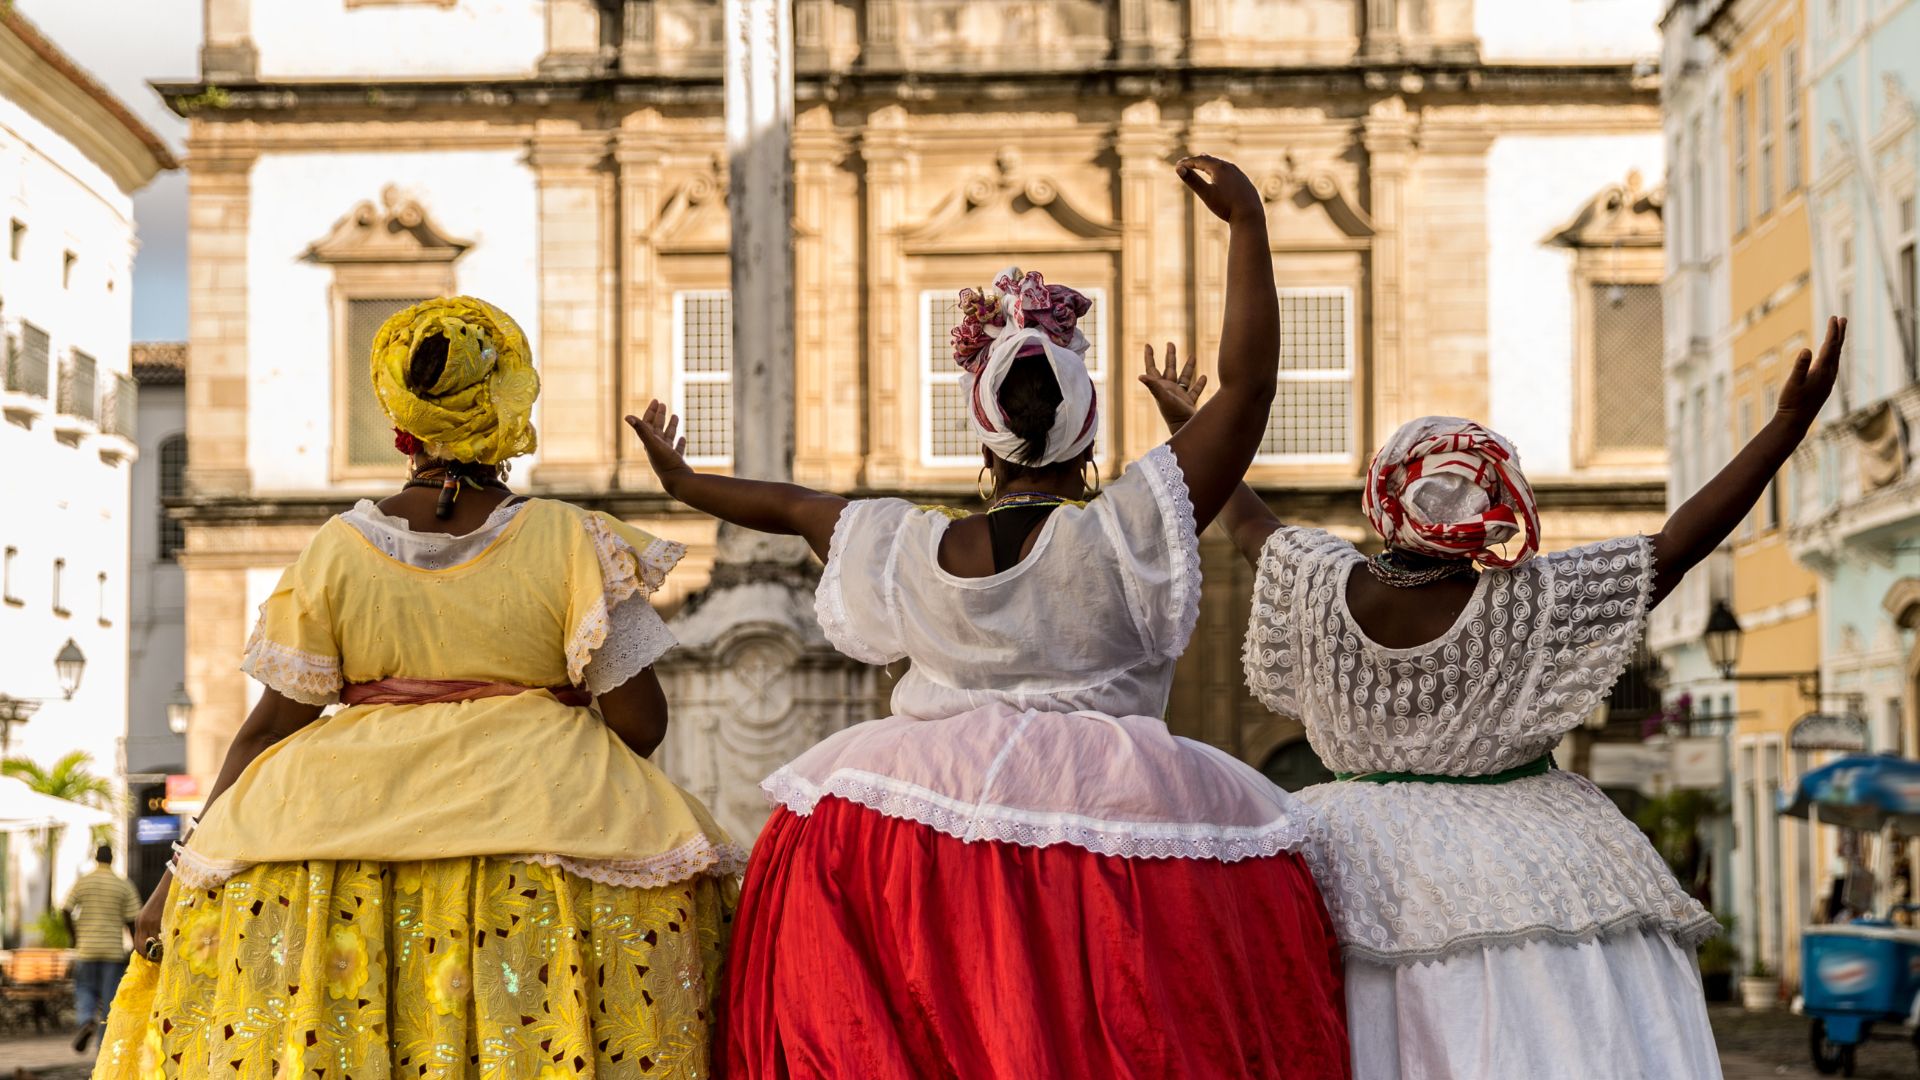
[101, 904]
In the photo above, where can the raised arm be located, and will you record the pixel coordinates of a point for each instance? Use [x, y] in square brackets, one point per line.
[1702, 522]
[761, 505]
[1246, 517]
[1216, 447]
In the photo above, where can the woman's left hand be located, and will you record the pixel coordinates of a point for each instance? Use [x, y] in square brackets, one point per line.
[659, 434]
[1175, 391]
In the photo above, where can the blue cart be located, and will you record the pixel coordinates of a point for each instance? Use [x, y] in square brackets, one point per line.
[1853, 976]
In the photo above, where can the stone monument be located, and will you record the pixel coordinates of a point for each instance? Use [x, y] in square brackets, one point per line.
[754, 681]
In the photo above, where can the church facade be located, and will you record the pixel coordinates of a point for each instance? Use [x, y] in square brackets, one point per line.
[1464, 202]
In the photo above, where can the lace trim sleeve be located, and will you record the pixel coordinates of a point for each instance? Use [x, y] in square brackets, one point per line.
[1169, 486]
[830, 597]
[309, 678]
[1595, 612]
[626, 575]
[636, 637]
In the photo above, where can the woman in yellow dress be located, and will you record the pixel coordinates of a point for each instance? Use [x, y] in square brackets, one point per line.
[471, 868]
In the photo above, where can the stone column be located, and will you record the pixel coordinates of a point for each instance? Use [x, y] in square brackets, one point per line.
[575, 42]
[577, 362]
[228, 53]
[1143, 146]
[883, 152]
[218, 198]
[754, 681]
[1387, 137]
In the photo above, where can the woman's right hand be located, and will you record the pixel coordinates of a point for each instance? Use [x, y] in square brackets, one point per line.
[1175, 391]
[1811, 381]
[659, 434]
[146, 925]
[1222, 186]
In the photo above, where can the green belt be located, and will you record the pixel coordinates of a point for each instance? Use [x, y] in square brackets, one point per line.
[1537, 767]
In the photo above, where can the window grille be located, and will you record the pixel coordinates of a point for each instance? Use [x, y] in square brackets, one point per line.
[1627, 341]
[79, 387]
[1312, 417]
[703, 373]
[27, 362]
[173, 484]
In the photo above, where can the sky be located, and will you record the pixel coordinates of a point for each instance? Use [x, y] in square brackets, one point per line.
[124, 43]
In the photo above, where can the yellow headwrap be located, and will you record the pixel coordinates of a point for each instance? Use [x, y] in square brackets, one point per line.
[481, 410]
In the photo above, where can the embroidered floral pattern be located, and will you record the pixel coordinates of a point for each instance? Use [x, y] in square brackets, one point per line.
[483, 967]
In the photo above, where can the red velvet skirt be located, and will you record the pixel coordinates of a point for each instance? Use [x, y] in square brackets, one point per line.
[870, 948]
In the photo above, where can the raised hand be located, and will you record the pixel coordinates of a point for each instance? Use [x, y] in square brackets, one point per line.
[659, 433]
[1811, 382]
[1222, 187]
[1175, 390]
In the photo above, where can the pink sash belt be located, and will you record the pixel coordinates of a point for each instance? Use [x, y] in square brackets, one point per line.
[400, 690]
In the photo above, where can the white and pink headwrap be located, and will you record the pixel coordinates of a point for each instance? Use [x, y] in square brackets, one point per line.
[1449, 488]
[997, 325]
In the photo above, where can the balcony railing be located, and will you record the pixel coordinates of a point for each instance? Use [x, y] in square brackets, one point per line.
[27, 362]
[118, 403]
[79, 388]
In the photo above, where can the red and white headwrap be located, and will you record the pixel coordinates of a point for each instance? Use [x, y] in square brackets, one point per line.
[1449, 488]
[1020, 314]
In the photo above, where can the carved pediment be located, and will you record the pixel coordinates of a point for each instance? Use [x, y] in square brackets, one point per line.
[1625, 215]
[398, 230]
[694, 219]
[1307, 209]
[1010, 210]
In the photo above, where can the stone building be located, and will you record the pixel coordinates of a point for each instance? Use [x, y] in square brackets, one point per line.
[1421, 162]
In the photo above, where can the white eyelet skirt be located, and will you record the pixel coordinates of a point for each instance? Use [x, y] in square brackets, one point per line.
[1627, 1007]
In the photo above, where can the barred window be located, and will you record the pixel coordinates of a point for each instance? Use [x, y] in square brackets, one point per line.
[1627, 341]
[1765, 123]
[368, 431]
[1741, 190]
[1312, 417]
[945, 436]
[173, 484]
[703, 373]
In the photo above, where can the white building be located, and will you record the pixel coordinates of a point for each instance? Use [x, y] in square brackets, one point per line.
[71, 157]
[1698, 358]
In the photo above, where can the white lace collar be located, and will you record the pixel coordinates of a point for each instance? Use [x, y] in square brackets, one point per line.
[429, 550]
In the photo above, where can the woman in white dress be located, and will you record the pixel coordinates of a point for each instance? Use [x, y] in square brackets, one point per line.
[1498, 917]
[1022, 872]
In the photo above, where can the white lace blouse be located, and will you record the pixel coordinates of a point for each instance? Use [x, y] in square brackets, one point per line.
[1416, 871]
[1032, 712]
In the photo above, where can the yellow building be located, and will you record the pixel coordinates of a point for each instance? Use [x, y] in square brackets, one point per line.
[1773, 596]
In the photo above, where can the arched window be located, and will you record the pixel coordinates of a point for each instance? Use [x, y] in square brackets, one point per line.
[1295, 766]
[173, 484]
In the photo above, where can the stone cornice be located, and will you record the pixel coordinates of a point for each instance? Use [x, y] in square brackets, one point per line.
[1338, 500]
[1362, 81]
[47, 84]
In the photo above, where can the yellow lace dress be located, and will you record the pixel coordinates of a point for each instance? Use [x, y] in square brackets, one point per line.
[496, 887]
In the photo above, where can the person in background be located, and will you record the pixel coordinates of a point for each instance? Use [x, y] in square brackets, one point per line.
[99, 912]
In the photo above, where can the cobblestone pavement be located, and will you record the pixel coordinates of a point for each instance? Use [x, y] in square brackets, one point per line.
[1775, 1044]
[1753, 1046]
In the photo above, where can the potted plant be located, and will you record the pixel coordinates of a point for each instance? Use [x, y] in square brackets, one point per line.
[1717, 960]
[1760, 988]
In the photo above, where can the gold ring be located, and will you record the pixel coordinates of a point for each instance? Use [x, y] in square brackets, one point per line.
[152, 949]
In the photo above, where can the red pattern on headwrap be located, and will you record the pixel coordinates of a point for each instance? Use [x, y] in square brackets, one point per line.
[1475, 455]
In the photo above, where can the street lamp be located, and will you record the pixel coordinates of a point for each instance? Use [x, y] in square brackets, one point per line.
[1723, 638]
[70, 663]
[179, 710]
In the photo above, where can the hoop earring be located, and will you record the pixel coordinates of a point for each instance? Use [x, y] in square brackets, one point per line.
[1093, 486]
[985, 487]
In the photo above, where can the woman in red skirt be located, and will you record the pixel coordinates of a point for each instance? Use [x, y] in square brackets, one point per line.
[1022, 873]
